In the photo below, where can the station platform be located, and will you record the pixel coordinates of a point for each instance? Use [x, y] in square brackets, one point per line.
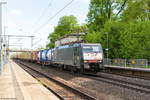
[128, 68]
[137, 72]
[16, 84]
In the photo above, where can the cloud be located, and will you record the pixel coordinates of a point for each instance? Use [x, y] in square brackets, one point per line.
[11, 25]
[16, 12]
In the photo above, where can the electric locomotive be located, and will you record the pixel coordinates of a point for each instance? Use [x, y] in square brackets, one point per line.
[79, 57]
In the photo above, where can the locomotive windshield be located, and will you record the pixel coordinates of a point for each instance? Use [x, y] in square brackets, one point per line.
[91, 48]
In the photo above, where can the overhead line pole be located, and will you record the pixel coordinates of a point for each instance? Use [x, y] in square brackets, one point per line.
[19, 36]
[5, 45]
[32, 42]
[1, 55]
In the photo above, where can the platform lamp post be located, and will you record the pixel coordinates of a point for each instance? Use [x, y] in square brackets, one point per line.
[1, 55]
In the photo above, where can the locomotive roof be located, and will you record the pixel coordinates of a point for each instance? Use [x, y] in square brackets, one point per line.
[76, 44]
[90, 43]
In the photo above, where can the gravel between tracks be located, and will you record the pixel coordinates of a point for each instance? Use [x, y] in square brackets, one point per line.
[113, 92]
[133, 80]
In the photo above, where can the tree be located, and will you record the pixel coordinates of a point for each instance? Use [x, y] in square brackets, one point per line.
[135, 40]
[137, 10]
[66, 25]
[101, 11]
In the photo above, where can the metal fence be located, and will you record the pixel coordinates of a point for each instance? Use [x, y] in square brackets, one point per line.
[119, 62]
[107, 61]
[139, 63]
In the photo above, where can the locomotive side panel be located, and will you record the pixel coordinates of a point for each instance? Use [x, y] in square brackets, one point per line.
[77, 56]
[64, 55]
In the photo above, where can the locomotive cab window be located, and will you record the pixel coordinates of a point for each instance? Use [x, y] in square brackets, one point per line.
[91, 49]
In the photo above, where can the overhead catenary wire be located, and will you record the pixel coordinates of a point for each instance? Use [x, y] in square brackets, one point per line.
[43, 12]
[18, 25]
[39, 28]
[52, 18]
[17, 41]
[37, 42]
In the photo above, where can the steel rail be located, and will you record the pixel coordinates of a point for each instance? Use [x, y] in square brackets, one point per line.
[121, 83]
[79, 92]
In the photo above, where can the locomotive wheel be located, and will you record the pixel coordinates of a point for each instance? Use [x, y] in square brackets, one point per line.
[61, 67]
[73, 69]
[57, 66]
[81, 70]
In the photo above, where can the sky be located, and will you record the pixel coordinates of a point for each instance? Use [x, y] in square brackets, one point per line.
[31, 17]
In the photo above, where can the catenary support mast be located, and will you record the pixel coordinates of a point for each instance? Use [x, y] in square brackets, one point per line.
[1, 55]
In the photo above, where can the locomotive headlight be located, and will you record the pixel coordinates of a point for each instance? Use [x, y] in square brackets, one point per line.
[85, 61]
[100, 60]
[100, 56]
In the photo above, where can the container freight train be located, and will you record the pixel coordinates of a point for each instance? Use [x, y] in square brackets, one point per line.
[78, 57]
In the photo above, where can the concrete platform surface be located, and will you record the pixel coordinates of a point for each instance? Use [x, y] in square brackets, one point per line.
[16, 84]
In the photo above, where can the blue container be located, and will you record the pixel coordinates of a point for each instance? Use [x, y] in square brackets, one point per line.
[49, 55]
[39, 55]
[43, 56]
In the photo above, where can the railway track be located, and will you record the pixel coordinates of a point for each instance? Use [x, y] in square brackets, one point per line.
[130, 75]
[60, 89]
[137, 87]
[120, 82]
